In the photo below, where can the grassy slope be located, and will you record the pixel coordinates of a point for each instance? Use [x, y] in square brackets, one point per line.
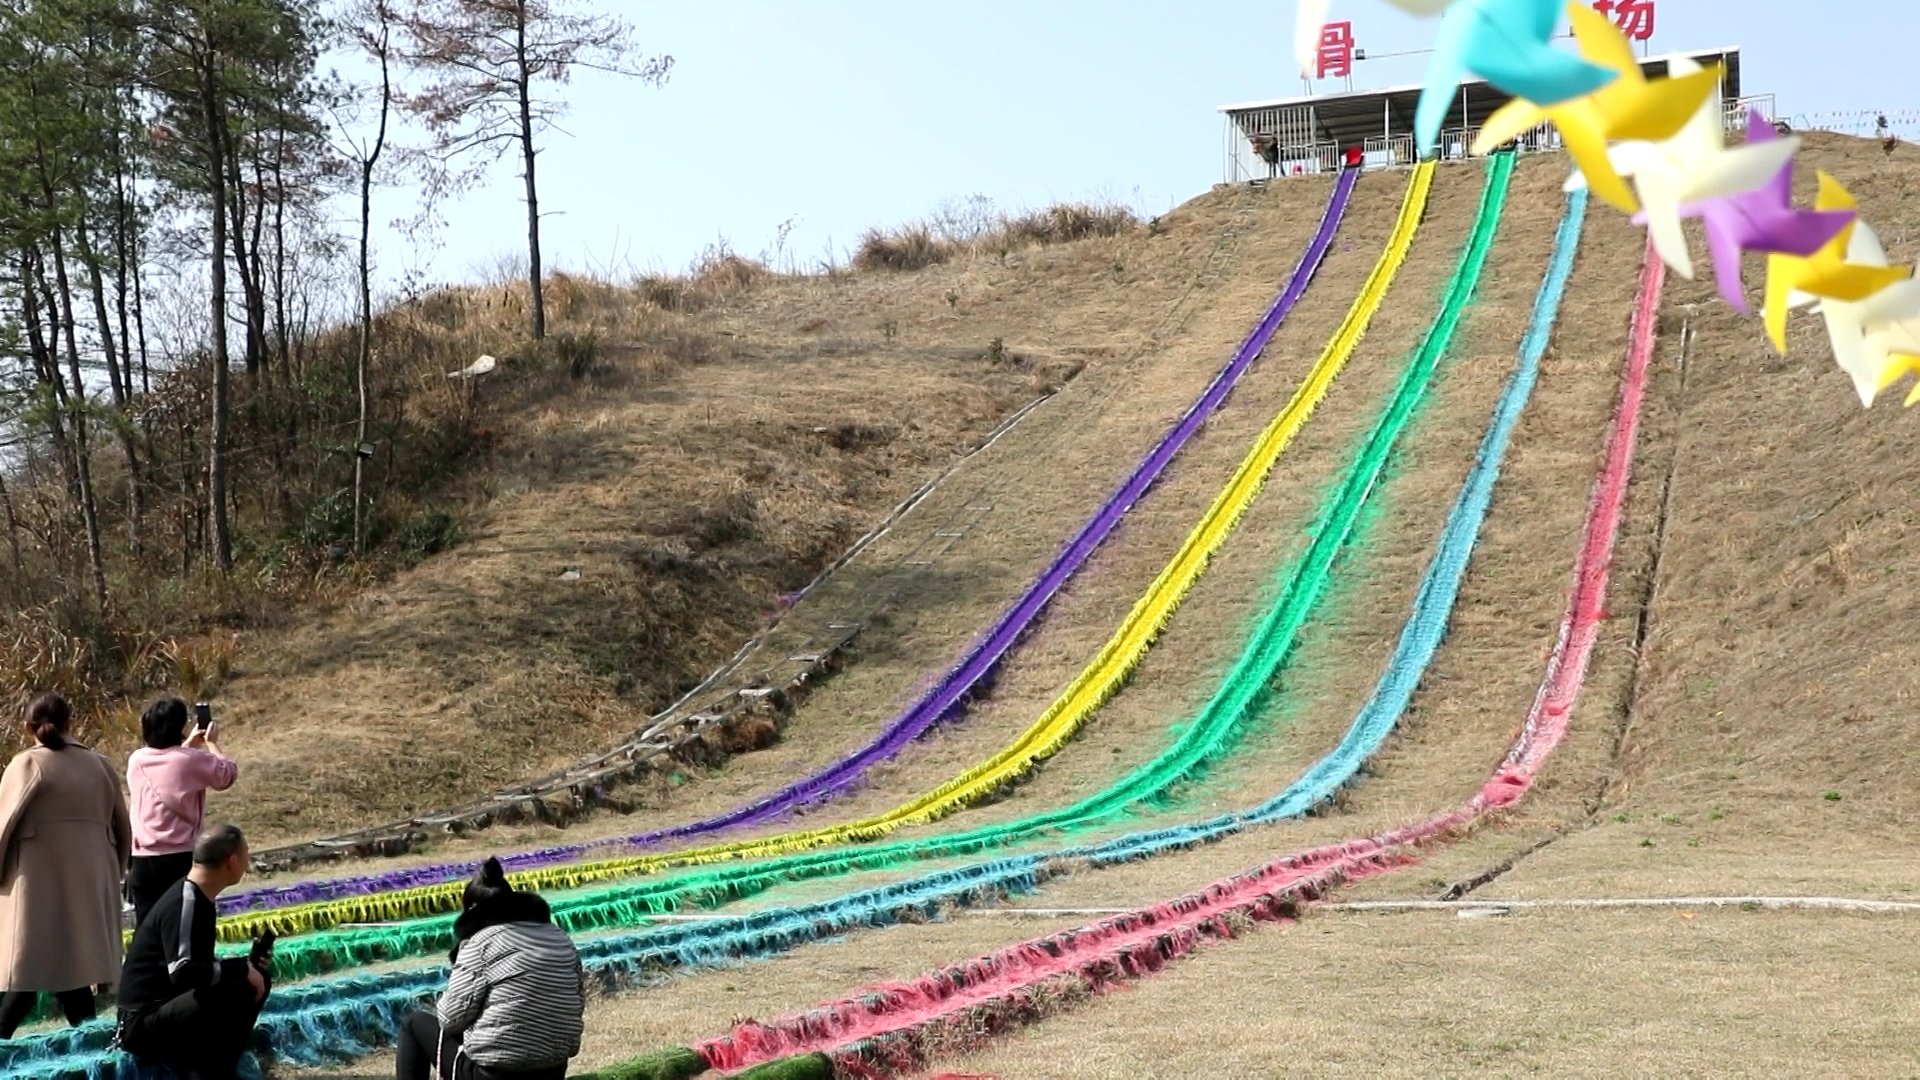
[1774, 663]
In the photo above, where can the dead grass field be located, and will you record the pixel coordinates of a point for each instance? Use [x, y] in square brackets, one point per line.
[482, 666]
[1177, 675]
[684, 512]
[1774, 672]
[1194, 650]
[1565, 993]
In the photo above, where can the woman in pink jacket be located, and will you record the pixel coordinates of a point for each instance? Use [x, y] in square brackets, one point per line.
[167, 781]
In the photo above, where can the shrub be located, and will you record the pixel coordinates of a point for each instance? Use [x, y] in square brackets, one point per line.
[1064, 223]
[913, 247]
[665, 293]
[428, 533]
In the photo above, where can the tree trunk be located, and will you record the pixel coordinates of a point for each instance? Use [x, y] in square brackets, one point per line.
[121, 392]
[365, 359]
[249, 217]
[257, 296]
[527, 153]
[89, 509]
[97, 292]
[123, 225]
[140, 316]
[13, 531]
[190, 501]
[221, 538]
[46, 365]
[238, 209]
[271, 271]
[282, 344]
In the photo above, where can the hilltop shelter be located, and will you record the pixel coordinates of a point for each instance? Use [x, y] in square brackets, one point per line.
[1315, 133]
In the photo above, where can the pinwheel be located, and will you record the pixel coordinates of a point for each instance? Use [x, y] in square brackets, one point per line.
[1897, 366]
[1867, 333]
[1793, 281]
[1695, 164]
[1509, 43]
[1629, 107]
[1760, 220]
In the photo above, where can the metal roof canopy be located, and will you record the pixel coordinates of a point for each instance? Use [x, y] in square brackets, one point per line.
[1350, 118]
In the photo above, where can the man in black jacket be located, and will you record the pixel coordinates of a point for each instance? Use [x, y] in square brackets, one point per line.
[180, 1005]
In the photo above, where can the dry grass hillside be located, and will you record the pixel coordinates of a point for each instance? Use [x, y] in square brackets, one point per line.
[1754, 745]
[1740, 730]
[1701, 763]
[1200, 641]
[709, 461]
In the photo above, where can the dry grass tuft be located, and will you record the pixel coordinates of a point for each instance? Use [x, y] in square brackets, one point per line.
[727, 274]
[910, 247]
[1066, 222]
[976, 231]
[662, 291]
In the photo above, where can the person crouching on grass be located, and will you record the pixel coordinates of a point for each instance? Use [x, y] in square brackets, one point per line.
[515, 1003]
[180, 1004]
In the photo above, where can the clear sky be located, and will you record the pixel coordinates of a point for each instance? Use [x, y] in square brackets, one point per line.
[840, 114]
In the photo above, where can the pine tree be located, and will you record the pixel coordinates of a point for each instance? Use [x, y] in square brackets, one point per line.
[490, 61]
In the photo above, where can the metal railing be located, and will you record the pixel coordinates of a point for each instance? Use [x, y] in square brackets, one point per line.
[1736, 111]
[1387, 151]
[1456, 144]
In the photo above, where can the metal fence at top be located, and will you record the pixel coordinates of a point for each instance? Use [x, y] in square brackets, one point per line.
[1298, 155]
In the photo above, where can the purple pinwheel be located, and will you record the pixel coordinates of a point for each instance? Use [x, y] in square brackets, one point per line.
[1760, 220]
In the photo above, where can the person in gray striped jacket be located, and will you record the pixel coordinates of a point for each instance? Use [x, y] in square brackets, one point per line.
[515, 1003]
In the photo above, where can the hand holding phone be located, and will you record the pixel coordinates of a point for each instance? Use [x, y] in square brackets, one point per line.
[261, 955]
[202, 724]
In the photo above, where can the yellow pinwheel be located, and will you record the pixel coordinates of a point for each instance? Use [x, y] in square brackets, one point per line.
[1629, 107]
[1899, 365]
[1866, 332]
[1793, 281]
[1693, 165]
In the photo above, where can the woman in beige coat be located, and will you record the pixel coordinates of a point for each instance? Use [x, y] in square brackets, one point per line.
[64, 844]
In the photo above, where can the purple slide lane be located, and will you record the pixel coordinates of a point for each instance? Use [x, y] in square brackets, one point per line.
[947, 698]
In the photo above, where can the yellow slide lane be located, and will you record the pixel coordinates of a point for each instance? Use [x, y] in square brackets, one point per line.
[1097, 682]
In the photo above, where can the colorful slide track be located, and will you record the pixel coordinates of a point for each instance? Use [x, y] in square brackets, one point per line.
[626, 906]
[625, 958]
[885, 1030]
[949, 695]
[1189, 919]
[327, 1018]
[1098, 681]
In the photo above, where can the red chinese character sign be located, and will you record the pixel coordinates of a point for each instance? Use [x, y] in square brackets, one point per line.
[1633, 17]
[1310, 17]
[1335, 57]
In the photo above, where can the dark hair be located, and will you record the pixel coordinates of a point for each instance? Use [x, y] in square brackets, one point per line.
[47, 717]
[489, 884]
[164, 723]
[217, 845]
